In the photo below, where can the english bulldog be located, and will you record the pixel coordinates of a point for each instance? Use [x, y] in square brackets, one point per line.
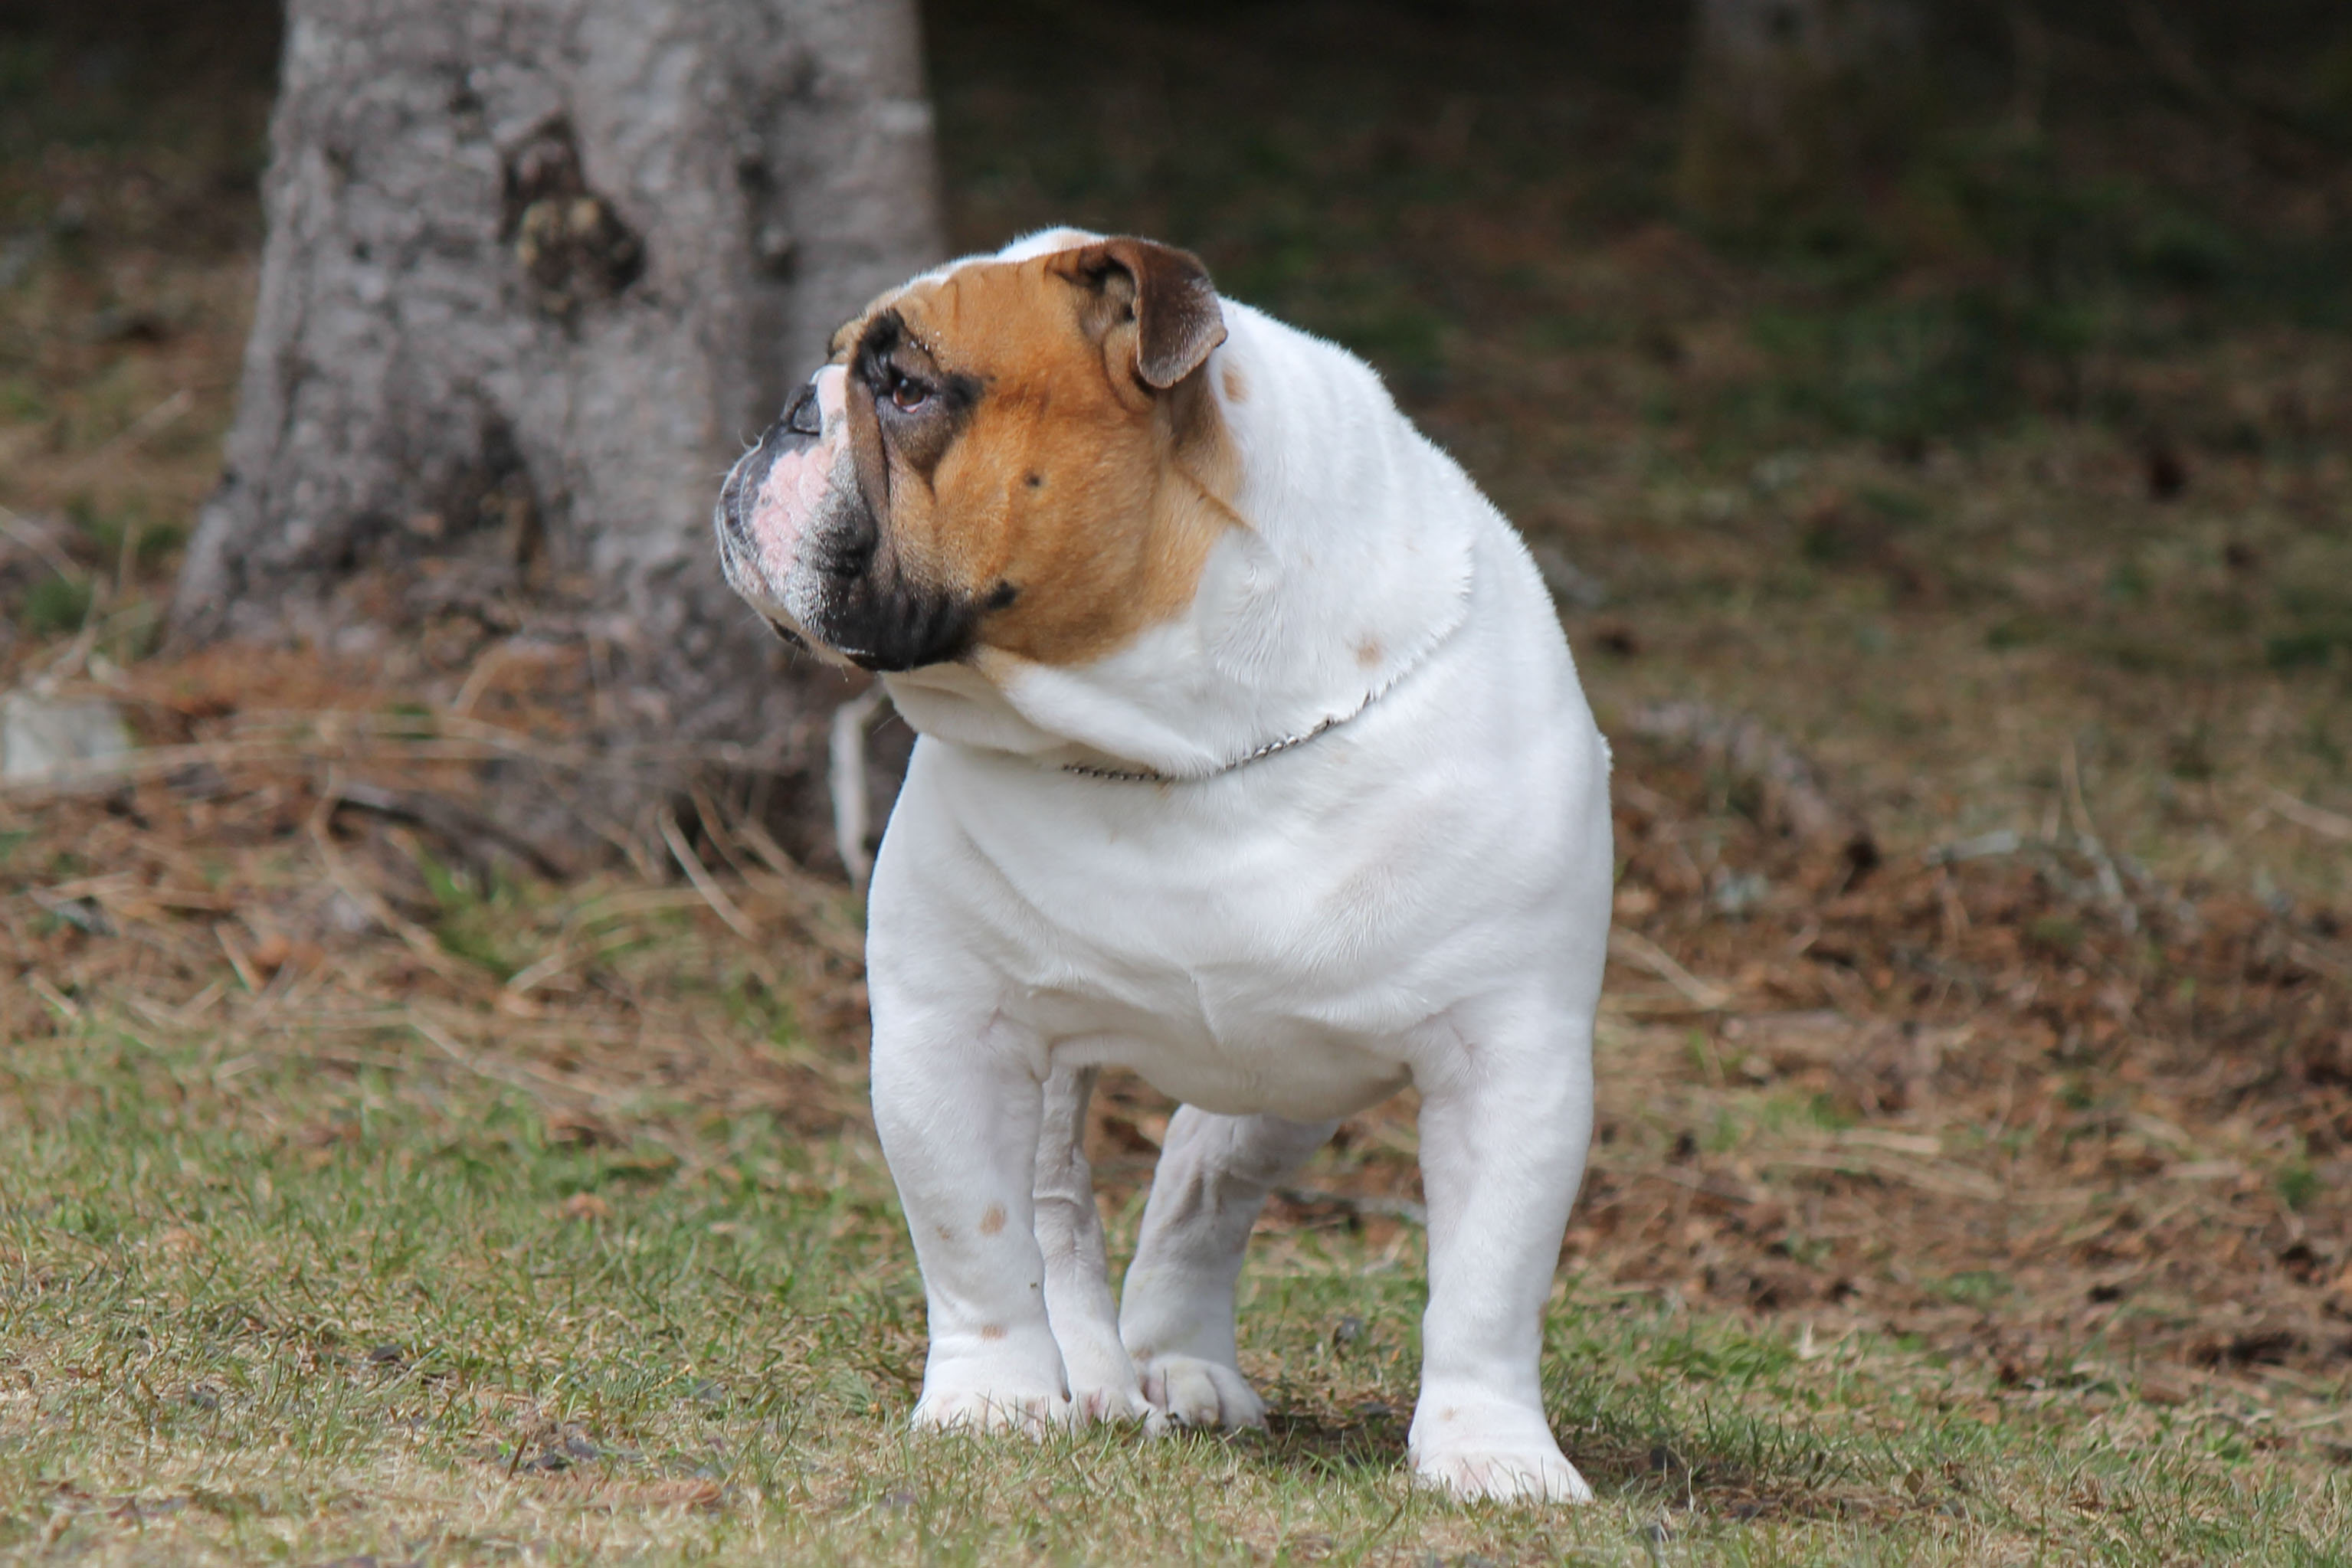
[1251, 759]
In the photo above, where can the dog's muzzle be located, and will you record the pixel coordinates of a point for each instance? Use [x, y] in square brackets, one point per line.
[804, 546]
[799, 430]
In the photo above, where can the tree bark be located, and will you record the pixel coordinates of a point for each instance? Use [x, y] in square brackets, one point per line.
[534, 269]
[1795, 107]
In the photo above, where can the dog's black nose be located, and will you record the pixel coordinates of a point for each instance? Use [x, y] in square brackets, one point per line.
[803, 416]
[801, 424]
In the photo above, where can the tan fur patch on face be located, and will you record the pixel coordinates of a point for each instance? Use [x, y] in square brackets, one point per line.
[1094, 499]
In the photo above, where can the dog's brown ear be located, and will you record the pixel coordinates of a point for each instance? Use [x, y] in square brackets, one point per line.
[1167, 293]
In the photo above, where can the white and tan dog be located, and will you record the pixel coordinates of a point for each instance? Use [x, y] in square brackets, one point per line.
[1252, 760]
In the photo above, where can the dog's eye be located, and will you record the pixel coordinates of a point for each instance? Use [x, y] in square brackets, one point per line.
[907, 392]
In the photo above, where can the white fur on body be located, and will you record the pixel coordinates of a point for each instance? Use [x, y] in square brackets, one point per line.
[1419, 895]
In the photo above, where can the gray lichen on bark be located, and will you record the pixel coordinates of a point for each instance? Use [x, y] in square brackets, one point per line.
[534, 269]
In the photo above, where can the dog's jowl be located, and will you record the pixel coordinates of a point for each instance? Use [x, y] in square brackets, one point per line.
[1252, 760]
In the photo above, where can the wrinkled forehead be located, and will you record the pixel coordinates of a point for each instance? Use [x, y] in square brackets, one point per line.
[981, 313]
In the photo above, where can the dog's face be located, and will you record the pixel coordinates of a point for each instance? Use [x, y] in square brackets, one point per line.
[1017, 455]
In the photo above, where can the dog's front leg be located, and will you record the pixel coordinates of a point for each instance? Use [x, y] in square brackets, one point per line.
[958, 1111]
[1504, 1136]
[1103, 1384]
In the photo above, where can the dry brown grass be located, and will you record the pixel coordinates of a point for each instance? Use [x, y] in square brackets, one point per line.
[1970, 1094]
[1887, 1158]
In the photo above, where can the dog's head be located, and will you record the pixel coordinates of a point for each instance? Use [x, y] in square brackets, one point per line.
[1017, 453]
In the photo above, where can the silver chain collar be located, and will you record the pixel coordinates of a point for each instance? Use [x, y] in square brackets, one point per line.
[1153, 775]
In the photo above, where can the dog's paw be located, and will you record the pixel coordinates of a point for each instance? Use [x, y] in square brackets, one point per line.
[1195, 1393]
[1113, 1403]
[1031, 1414]
[1103, 1384]
[1501, 1475]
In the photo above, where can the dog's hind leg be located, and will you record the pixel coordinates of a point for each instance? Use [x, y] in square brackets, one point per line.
[1103, 1384]
[1177, 1312]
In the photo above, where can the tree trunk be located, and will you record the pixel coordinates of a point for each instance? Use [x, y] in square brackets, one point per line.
[1795, 107]
[534, 270]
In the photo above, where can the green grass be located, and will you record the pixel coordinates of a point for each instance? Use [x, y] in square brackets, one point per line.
[55, 605]
[260, 1307]
[472, 924]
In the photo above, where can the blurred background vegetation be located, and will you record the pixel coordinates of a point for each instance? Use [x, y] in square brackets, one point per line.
[2102, 214]
[2045, 398]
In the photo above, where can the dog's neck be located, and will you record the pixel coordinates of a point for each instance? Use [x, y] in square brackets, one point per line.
[1352, 562]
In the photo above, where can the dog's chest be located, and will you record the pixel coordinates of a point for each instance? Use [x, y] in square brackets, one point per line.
[1277, 1025]
[1239, 962]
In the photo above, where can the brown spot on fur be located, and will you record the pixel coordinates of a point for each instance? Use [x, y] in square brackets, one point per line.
[1236, 389]
[946, 1233]
[1142, 477]
[1368, 652]
[991, 1220]
[992, 1331]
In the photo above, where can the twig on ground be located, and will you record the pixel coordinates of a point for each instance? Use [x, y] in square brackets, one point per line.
[2109, 871]
[567, 954]
[531, 976]
[2087, 840]
[162, 416]
[717, 830]
[1639, 950]
[40, 987]
[810, 896]
[22, 530]
[1941, 1177]
[477, 679]
[769, 853]
[418, 940]
[2000, 842]
[237, 957]
[811, 904]
[450, 1047]
[2303, 814]
[461, 826]
[1712, 1184]
[699, 876]
[726, 908]
[1795, 799]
